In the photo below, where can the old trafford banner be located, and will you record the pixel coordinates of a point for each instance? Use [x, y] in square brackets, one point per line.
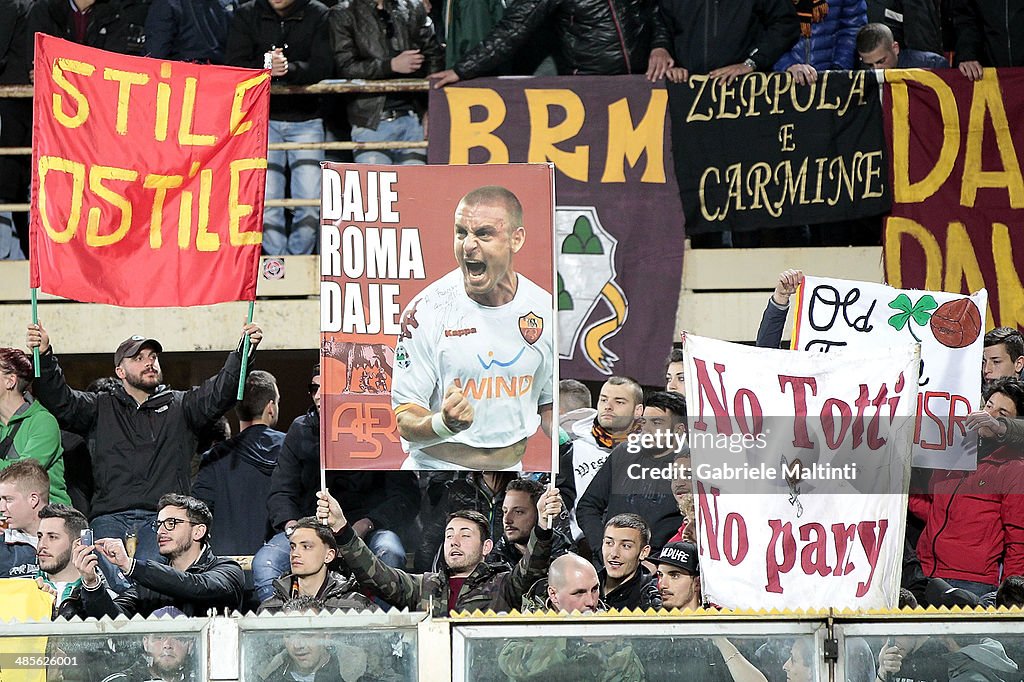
[958, 194]
[148, 178]
[618, 220]
[763, 151]
[800, 488]
[833, 314]
[437, 317]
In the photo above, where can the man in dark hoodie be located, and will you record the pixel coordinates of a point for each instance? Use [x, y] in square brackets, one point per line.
[290, 37]
[189, 30]
[378, 501]
[234, 476]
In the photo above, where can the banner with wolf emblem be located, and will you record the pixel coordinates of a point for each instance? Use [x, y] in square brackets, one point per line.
[618, 218]
[437, 317]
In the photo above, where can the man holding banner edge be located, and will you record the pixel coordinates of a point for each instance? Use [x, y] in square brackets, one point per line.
[144, 433]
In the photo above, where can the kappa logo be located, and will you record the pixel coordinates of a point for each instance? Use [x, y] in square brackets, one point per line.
[591, 305]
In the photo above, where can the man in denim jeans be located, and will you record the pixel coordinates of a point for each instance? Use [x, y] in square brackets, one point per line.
[378, 40]
[290, 38]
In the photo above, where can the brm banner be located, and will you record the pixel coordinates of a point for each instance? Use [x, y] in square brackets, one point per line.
[437, 317]
[800, 493]
[763, 151]
[833, 314]
[958, 193]
[148, 178]
[618, 220]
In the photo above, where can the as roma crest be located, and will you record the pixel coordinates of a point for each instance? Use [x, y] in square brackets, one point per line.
[531, 326]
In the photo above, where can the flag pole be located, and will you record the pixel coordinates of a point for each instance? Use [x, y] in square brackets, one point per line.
[245, 354]
[35, 320]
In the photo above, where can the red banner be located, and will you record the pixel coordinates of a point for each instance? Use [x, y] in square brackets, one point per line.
[958, 193]
[148, 178]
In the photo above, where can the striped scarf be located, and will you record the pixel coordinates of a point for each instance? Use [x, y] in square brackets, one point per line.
[810, 12]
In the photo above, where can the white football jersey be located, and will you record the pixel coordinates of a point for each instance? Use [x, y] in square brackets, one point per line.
[502, 355]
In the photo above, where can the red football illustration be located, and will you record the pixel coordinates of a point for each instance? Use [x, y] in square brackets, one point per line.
[956, 324]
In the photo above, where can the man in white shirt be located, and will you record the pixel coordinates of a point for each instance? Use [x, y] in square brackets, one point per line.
[474, 362]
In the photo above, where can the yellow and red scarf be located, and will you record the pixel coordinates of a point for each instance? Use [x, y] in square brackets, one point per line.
[810, 12]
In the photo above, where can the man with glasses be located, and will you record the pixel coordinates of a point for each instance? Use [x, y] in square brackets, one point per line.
[194, 581]
[142, 435]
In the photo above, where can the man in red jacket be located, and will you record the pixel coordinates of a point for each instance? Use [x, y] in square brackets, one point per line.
[974, 520]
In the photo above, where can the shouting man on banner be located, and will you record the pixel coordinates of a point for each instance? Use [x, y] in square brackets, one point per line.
[473, 364]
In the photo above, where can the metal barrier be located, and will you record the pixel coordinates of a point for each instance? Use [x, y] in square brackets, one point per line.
[811, 647]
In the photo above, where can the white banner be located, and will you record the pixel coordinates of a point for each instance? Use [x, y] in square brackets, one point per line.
[836, 313]
[800, 463]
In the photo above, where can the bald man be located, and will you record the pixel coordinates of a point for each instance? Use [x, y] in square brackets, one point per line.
[573, 585]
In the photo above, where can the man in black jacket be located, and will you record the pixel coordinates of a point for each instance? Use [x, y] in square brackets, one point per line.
[189, 30]
[195, 581]
[113, 25]
[234, 476]
[379, 40]
[143, 435]
[595, 38]
[730, 38]
[292, 36]
[988, 33]
[378, 501]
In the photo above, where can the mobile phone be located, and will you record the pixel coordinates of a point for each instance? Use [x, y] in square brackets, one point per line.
[87, 537]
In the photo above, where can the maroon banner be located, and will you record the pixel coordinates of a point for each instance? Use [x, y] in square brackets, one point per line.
[618, 218]
[958, 194]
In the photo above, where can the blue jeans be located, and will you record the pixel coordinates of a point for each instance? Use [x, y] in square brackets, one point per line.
[272, 560]
[118, 526]
[10, 247]
[304, 167]
[407, 128]
[978, 589]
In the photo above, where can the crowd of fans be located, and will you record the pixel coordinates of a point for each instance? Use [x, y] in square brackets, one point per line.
[306, 41]
[146, 532]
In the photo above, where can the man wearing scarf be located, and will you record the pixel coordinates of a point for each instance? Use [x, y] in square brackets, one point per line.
[828, 38]
[619, 408]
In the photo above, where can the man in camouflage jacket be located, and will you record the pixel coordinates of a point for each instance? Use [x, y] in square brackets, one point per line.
[467, 583]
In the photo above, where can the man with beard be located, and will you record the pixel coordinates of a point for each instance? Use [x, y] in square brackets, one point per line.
[459, 339]
[194, 581]
[619, 409]
[60, 527]
[313, 548]
[467, 582]
[519, 518]
[142, 436]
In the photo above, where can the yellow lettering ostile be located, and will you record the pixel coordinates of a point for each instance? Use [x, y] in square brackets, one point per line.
[466, 134]
[61, 65]
[125, 80]
[629, 143]
[238, 210]
[205, 240]
[77, 172]
[239, 124]
[987, 102]
[160, 183]
[544, 137]
[188, 110]
[97, 174]
[905, 191]
[163, 104]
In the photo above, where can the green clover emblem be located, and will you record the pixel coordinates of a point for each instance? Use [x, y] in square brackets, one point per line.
[919, 312]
